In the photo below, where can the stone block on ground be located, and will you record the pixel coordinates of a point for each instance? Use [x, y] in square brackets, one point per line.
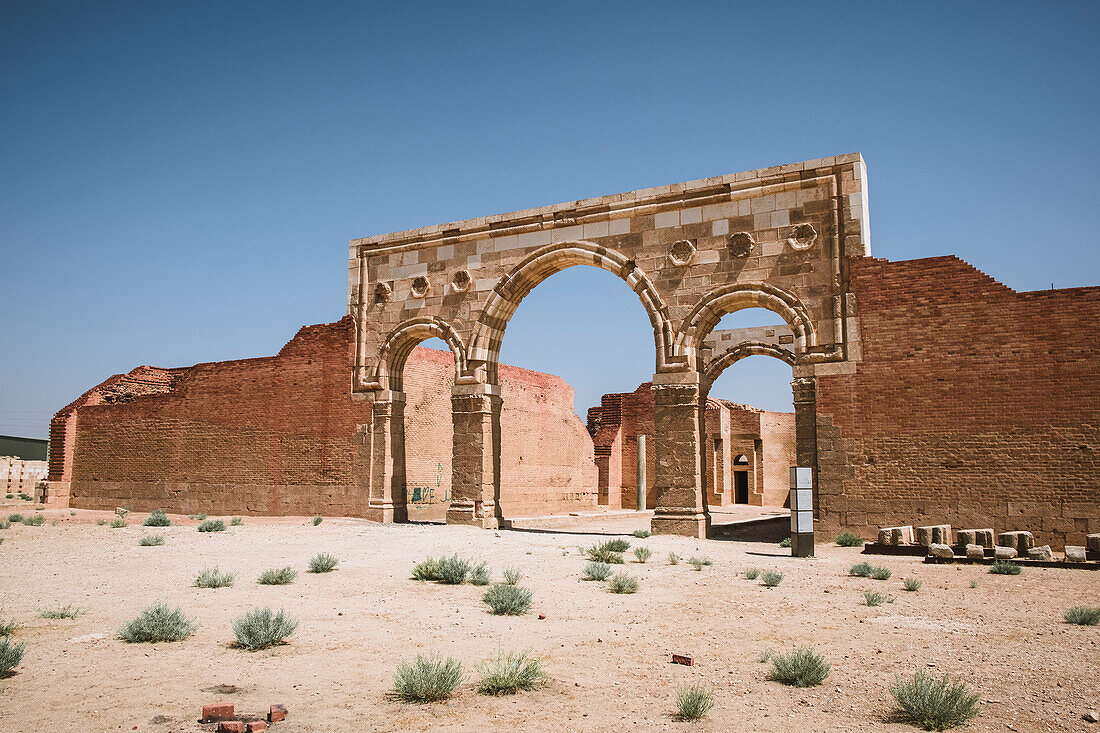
[1092, 542]
[936, 534]
[1076, 553]
[975, 552]
[983, 537]
[1004, 553]
[1021, 541]
[938, 549]
[896, 535]
[1040, 553]
[215, 713]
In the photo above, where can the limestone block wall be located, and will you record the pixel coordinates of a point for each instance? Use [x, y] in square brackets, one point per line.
[18, 475]
[973, 405]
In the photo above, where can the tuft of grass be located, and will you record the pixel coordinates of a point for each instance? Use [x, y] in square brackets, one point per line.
[5, 524]
[700, 562]
[752, 573]
[785, 542]
[772, 578]
[236, 522]
[874, 598]
[597, 571]
[510, 672]
[101, 522]
[277, 576]
[158, 623]
[10, 656]
[214, 578]
[973, 584]
[480, 574]
[512, 576]
[881, 573]
[199, 517]
[15, 518]
[935, 704]
[848, 539]
[7, 628]
[911, 584]
[641, 533]
[693, 702]
[151, 540]
[157, 518]
[861, 570]
[617, 544]
[322, 563]
[37, 520]
[317, 520]
[641, 554]
[622, 583]
[427, 569]
[605, 554]
[118, 523]
[62, 612]
[261, 628]
[1082, 615]
[428, 679]
[800, 668]
[453, 570]
[212, 525]
[507, 600]
[673, 558]
[9, 496]
[1004, 567]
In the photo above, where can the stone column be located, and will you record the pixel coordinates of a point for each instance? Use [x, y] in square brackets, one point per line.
[681, 506]
[805, 428]
[640, 476]
[387, 445]
[475, 462]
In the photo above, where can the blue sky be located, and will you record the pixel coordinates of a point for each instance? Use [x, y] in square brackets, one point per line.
[178, 181]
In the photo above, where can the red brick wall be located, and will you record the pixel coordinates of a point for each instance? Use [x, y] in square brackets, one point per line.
[973, 404]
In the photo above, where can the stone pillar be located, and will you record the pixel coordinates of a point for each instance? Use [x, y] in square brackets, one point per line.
[805, 429]
[678, 476]
[641, 478]
[387, 446]
[475, 462]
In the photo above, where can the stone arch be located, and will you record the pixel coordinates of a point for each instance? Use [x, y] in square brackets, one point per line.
[403, 339]
[505, 298]
[704, 317]
[731, 356]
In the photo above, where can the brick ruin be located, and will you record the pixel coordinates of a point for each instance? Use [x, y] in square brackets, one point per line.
[924, 391]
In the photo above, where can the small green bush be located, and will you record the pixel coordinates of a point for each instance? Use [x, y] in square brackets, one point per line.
[214, 578]
[673, 558]
[151, 540]
[509, 673]
[861, 570]
[199, 517]
[15, 518]
[277, 576]
[10, 656]
[7, 628]
[700, 562]
[5, 524]
[881, 573]
[785, 542]
[752, 573]
[428, 679]
[772, 578]
[597, 571]
[849, 539]
[512, 576]
[622, 583]
[453, 570]
[101, 522]
[911, 584]
[236, 522]
[158, 623]
[507, 600]
[261, 628]
[157, 518]
[24, 496]
[62, 612]
[427, 569]
[480, 574]
[1004, 567]
[9, 496]
[874, 598]
[973, 584]
[317, 520]
[693, 702]
[605, 554]
[617, 545]
[641, 554]
[935, 704]
[641, 533]
[37, 520]
[212, 525]
[800, 668]
[118, 523]
[1082, 615]
[322, 563]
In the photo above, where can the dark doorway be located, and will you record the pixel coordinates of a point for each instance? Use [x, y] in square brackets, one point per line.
[741, 487]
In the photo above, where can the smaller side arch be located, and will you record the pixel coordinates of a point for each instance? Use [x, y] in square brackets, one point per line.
[731, 356]
[403, 339]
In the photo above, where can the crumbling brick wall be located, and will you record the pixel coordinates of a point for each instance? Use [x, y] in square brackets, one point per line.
[973, 405]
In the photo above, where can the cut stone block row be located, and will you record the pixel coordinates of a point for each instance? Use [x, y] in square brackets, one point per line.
[936, 534]
[983, 537]
[896, 535]
[1019, 541]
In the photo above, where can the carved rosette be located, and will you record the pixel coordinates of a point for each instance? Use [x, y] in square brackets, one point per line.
[382, 293]
[802, 236]
[420, 286]
[741, 244]
[682, 252]
[461, 280]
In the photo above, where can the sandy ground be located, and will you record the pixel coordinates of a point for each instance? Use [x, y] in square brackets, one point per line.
[608, 655]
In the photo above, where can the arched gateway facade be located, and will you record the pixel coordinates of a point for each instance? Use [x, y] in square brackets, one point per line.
[776, 238]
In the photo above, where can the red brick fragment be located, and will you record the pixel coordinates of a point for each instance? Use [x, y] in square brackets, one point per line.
[682, 659]
[542, 616]
[277, 713]
[256, 726]
[214, 713]
[231, 726]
